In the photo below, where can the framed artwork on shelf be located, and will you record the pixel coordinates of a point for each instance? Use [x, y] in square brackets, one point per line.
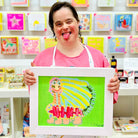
[96, 42]
[85, 22]
[71, 101]
[1, 23]
[102, 22]
[134, 45]
[9, 45]
[137, 22]
[16, 21]
[1, 3]
[37, 21]
[80, 3]
[123, 22]
[106, 3]
[50, 42]
[117, 44]
[30, 45]
[47, 3]
[20, 3]
[132, 3]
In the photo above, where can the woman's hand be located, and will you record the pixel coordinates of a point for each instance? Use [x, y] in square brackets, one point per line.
[114, 84]
[29, 77]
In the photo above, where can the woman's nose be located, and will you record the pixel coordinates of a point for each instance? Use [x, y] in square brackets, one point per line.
[65, 26]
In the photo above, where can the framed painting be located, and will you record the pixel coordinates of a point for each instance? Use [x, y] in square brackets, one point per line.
[71, 101]
[117, 44]
[132, 3]
[123, 22]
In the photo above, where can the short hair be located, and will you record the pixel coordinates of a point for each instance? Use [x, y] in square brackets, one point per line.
[57, 6]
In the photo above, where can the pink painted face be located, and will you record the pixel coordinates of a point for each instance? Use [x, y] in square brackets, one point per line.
[66, 27]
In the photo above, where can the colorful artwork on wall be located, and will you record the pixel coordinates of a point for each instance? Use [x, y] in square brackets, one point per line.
[106, 3]
[50, 42]
[47, 3]
[20, 3]
[102, 22]
[9, 45]
[30, 45]
[137, 22]
[16, 21]
[123, 22]
[134, 44]
[85, 22]
[80, 3]
[1, 3]
[132, 3]
[1, 23]
[96, 42]
[37, 21]
[117, 45]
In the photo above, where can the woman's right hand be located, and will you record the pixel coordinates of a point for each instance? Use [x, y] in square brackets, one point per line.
[29, 77]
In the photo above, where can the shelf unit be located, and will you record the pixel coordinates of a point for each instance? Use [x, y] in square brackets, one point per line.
[16, 96]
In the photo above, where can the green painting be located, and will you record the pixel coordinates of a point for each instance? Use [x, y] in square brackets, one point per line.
[71, 101]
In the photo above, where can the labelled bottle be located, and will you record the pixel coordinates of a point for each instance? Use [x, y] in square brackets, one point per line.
[113, 62]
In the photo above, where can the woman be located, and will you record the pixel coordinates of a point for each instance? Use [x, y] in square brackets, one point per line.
[69, 51]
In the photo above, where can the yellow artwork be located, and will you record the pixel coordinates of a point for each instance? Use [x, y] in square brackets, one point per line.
[1, 3]
[50, 42]
[1, 27]
[96, 42]
[80, 3]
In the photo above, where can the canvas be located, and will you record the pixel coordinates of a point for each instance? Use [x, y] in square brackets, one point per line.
[134, 45]
[9, 45]
[96, 42]
[16, 21]
[50, 42]
[1, 23]
[47, 3]
[20, 3]
[123, 22]
[132, 3]
[80, 3]
[1, 3]
[37, 21]
[137, 22]
[85, 22]
[71, 101]
[102, 22]
[30, 45]
[117, 45]
[106, 3]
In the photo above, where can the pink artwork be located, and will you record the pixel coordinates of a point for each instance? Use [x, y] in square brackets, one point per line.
[30, 45]
[15, 21]
[137, 23]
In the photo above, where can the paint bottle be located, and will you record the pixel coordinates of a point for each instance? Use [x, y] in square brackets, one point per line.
[113, 62]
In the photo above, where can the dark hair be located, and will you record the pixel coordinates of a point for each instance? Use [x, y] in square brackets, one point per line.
[55, 7]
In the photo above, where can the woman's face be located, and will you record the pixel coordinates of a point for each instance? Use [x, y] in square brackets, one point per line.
[66, 27]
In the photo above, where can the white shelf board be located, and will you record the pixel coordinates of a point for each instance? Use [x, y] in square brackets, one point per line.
[128, 91]
[117, 134]
[13, 93]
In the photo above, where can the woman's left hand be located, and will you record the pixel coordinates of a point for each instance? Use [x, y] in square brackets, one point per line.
[114, 84]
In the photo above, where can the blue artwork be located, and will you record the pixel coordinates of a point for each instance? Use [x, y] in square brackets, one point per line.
[117, 45]
[123, 22]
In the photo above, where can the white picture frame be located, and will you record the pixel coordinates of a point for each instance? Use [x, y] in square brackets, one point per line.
[98, 75]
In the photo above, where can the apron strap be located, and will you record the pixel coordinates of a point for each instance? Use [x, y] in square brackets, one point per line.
[91, 63]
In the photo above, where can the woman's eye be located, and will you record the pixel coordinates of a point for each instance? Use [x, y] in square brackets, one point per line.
[59, 24]
[69, 21]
